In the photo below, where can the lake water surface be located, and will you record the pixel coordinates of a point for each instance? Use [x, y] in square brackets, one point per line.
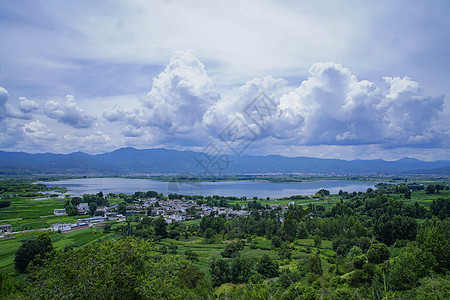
[261, 189]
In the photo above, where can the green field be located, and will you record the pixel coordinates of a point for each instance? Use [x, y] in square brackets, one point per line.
[74, 239]
[29, 208]
[207, 252]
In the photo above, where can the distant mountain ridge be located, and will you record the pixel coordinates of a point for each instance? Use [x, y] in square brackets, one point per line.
[127, 161]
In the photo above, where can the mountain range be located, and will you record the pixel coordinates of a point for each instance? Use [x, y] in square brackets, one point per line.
[128, 161]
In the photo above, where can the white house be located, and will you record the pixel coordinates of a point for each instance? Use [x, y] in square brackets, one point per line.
[5, 228]
[83, 208]
[62, 227]
[59, 212]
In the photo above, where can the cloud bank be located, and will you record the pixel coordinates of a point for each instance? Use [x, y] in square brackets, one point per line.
[331, 107]
[185, 110]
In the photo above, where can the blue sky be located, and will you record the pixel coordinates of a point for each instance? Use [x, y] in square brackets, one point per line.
[347, 79]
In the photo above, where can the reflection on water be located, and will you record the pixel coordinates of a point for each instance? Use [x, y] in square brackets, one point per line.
[261, 189]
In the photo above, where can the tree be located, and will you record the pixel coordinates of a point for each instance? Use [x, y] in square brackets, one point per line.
[149, 211]
[123, 269]
[220, 271]
[440, 208]
[5, 204]
[191, 255]
[92, 208]
[173, 248]
[31, 250]
[267, 267]
[317, 241]
[302, 231]
[388, 229]
[290, 229]
[408, 267]
[122, 208]
[430, 189]
[354, 251]
[314, 264]
[408, 194]
[190, 276]
[276, 241]
[107, 228]
[241, 269]
[323, 193]
[161, 227]
[71, 210]
[434, 237]
[438, 188]
[378, 253]
[232, 249]
[359, 261]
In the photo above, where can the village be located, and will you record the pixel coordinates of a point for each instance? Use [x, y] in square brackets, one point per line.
[175, 210]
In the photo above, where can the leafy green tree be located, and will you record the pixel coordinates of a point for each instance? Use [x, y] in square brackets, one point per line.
[71, 210]
[290, 229]
[149, 211]
[107, 228]
[317, 241]
[31, 250]
[124, 269]
[409, 267]
[434, 237]
[161, 227]
[267, 267]
[390, 228]
[173, 248]
[241, 269]
[190, 276]
[122, 209]
[232, 249]
[191, 255]
[354, 251]
[92, 208]
[440, 208]
[302, 231]
[314, 264]
[359, 261]
[378, 253]
[8, 287]
[276, 241]
[408, 194]
[323, 193]
[220, 271]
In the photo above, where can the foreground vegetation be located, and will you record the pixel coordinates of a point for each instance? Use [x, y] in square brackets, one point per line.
[387, 243]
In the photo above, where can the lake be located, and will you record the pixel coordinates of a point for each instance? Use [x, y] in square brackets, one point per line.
[261, 189]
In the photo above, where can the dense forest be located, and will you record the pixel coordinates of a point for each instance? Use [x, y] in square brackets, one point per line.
[376, 244]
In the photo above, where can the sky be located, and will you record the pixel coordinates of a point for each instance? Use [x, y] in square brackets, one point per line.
[328, 79]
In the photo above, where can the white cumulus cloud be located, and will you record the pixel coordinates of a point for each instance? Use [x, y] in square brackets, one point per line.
[333, 107]
[114, 114]
[69, 113]
[37, 129]
[179, 97]
[256, 103]
[27, 105]
[95, 142]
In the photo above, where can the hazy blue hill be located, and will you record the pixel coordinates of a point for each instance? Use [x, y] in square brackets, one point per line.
[73, 163]
[150, 160]
[436, 171]
[131, 161]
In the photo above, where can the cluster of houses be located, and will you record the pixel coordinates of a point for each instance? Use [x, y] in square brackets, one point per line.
[172, 210]
[178, 210]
